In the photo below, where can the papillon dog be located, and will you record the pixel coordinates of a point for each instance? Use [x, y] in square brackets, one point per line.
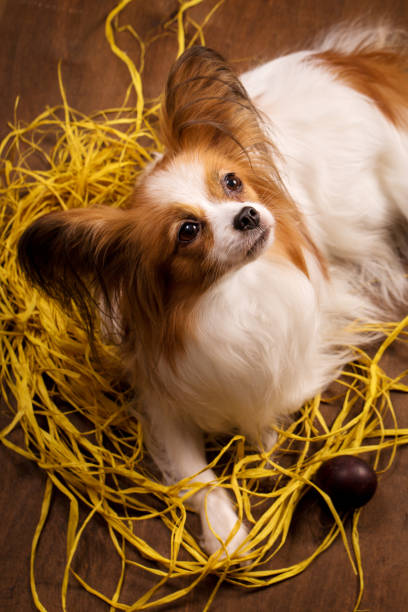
[274, 220]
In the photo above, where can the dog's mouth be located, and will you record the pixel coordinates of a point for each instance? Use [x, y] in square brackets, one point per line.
[260, 242]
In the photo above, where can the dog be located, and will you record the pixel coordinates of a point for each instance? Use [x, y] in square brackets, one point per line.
[274, 220]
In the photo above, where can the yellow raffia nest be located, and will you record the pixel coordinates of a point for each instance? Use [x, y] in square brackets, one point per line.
[48, 377]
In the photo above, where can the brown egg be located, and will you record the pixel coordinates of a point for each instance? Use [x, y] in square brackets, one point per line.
[349, 481]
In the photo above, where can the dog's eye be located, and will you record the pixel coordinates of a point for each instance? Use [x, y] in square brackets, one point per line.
[232, 182]
[188, 231]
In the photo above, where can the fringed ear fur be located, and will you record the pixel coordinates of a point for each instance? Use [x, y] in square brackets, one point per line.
[72, 254]
[205, 103]
[105, 258]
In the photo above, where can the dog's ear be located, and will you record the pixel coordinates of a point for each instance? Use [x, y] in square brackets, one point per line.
[205, 103]
[77, 254]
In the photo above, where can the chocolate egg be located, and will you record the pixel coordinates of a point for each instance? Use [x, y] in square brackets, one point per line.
[349, 481]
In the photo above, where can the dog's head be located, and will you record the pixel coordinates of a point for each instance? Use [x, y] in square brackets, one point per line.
[211, 204]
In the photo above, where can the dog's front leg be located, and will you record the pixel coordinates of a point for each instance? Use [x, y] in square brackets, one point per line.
[177, 448]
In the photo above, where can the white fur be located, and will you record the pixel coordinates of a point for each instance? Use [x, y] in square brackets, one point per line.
[266, 335]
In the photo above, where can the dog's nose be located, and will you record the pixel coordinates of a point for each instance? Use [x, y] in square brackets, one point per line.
[248, 218]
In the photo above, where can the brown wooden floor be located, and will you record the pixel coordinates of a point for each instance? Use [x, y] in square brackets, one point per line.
[35, 35]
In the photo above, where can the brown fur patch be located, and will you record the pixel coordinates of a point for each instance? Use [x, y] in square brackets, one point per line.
[206, 106]
[381, 75]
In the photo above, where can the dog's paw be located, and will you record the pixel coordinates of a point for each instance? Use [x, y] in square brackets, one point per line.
[220, 525]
